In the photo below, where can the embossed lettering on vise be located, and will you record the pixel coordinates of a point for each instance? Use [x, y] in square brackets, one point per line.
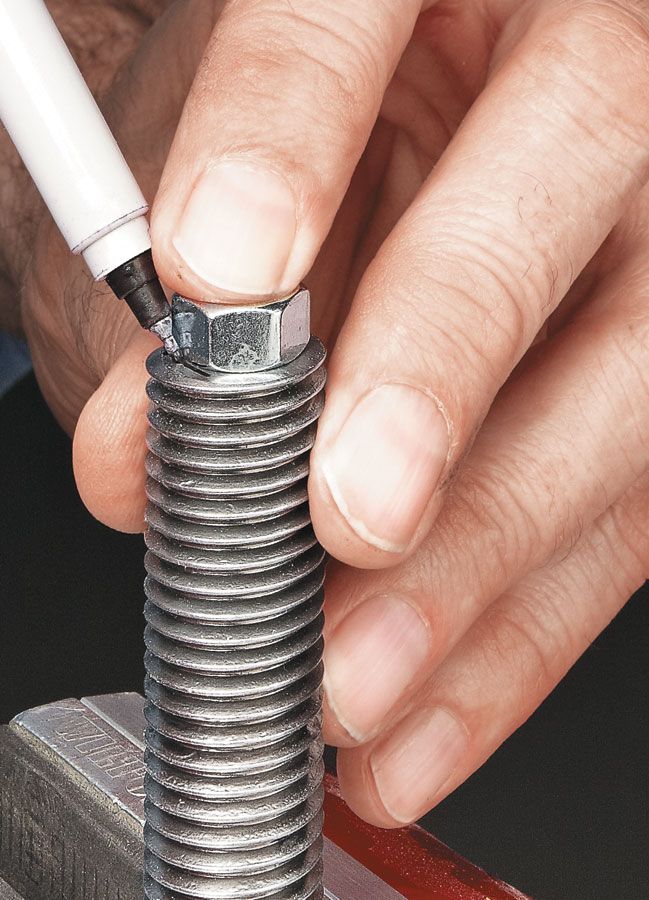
[101, 738]
[94, 748]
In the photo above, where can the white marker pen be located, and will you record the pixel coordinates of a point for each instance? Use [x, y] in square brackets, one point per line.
[71, 154]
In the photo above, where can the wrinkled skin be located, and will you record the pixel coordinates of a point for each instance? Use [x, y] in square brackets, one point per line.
[502, 296]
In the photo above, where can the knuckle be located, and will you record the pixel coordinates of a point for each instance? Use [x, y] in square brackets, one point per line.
[459, 305]
[529, 641]
[510, 281]
[502, 513]
[625, 378]
[630, 536]
[352, 37]
[592, 57]
[625, 22]
[595, 36]
[513, 512]
[345, 58]
[333, 95]
[487, 268]
[338, 53]
[621, 377]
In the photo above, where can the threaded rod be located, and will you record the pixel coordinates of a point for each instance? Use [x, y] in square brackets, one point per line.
[234, 634]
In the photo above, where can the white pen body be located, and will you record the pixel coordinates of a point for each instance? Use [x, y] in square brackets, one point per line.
[65, 143]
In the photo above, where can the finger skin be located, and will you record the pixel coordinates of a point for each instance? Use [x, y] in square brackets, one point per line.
[274, 125]
[109, 442]
[77, 329]
[520, 201]
[568, 436]
[503, 669]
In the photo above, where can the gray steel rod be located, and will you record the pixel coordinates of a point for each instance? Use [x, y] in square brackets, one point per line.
[234, 593]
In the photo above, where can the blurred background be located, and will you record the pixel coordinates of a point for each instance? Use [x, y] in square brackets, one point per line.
[560, 811]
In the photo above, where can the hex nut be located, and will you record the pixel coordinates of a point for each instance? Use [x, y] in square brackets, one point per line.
[242, 338]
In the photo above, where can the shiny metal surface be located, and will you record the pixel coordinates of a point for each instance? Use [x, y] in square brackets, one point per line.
[101, 738]
[7, 892]
[231, 338]
[93, 745]
[234, 620]
[347, 879]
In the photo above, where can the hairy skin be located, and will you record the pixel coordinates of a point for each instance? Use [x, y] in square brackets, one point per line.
[101, 36]
[472, 220]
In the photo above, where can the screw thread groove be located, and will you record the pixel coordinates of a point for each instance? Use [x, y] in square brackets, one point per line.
[234, 635]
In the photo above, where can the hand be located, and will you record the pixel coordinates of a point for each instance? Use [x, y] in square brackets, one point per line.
[482, 249]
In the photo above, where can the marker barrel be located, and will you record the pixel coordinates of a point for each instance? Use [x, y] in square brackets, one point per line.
[65, 142]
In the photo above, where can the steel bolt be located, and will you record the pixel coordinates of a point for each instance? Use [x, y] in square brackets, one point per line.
[234, 615]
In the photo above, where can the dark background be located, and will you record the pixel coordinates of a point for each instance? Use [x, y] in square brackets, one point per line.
[560, 811]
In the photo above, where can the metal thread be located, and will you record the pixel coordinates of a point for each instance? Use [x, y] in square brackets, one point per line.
[234, 635]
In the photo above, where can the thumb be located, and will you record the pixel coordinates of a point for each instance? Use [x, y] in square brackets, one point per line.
[275, 123]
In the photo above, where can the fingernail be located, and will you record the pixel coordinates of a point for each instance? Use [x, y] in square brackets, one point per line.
[383, 467]
[411, 767]
[238, 227]
[371, 659]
